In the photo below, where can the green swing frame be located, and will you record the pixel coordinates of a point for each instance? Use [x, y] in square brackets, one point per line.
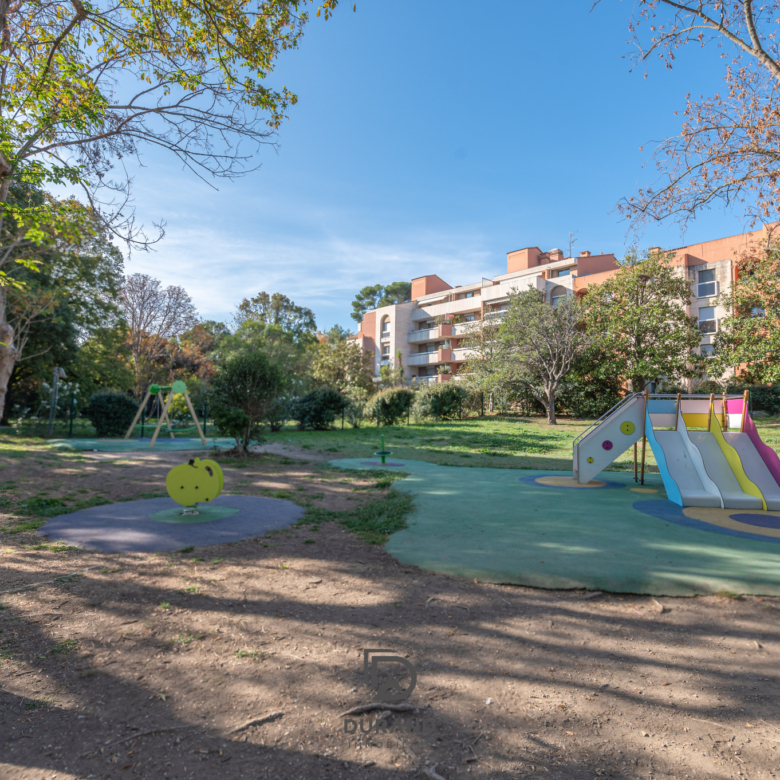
[178, 387]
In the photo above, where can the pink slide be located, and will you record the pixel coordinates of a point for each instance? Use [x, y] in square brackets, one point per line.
[768, 455]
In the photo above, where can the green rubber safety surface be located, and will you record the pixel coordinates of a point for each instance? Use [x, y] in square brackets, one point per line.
[163, 444]
[205, 515]
[502, 526]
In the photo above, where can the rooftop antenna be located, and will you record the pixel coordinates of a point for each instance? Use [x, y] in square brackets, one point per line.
[572, 241]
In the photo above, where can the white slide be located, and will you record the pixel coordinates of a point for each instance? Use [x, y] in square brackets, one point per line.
[755, 468]
[719, 471]
[680, 462]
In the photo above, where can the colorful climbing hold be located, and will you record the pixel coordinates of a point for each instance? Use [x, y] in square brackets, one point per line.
[627, 427]
[607, 445]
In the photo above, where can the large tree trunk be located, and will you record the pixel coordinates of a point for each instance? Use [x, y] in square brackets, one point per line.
[8, 354]
[550, 393]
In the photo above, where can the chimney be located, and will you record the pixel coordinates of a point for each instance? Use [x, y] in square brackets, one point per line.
[555, 255]
[585, 253]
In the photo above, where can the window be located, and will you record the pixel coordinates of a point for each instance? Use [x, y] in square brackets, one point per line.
[707, 321]
[757, 311]
[469, 295]
[707, 350]
[386, 351]
[564, 272]
[707, 286]
[468, 318]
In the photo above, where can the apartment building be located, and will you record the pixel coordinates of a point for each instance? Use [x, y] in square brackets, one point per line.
[418, 335]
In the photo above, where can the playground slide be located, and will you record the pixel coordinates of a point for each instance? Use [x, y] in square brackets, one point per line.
[608, 439]
[682, 467]
[713, 467]
[717, 467]
[735, 409]
[755, 468]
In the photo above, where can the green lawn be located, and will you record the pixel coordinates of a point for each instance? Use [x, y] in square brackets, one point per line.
[494, 442]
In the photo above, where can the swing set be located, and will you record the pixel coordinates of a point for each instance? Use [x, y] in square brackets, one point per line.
[163, 397]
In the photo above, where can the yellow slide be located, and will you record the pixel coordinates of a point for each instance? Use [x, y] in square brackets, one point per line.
[733, 459]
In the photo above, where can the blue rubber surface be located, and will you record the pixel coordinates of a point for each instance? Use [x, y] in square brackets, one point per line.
[128, 527]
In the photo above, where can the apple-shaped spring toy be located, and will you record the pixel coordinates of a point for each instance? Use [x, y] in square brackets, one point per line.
[199, 481]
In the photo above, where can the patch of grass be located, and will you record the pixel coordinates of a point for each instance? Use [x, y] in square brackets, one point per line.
[283, 494]
[185, 550]
[7, 651]
[197, 560]
[215, 561]
[372, 522]
[111, 571]
[185, 638]
[310, 541]
[165, 605]
[255, 655]
[728, 594]
[27, 526]
[68, 578]
[63, 647]
[192, 589]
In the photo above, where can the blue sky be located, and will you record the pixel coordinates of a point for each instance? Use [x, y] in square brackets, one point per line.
[429, 137]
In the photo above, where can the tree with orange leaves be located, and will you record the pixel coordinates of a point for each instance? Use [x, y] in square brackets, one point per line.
[728, 149]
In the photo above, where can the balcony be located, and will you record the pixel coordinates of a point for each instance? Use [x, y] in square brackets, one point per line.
[423, 359]
[434, 380]
[464, 328]
[514, 285]
[430, 334]
[461, 354]
[423, 335]
[440, 309]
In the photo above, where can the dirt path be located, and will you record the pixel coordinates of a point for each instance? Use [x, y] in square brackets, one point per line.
[152, 666]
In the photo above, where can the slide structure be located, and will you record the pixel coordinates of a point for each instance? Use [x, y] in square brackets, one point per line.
[707, 449]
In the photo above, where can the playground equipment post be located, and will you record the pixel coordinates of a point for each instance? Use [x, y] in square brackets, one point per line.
[644, 434]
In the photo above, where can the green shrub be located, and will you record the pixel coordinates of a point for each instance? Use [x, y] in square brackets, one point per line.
[709, 386]
[111, 413]
[242, 396]
[441, 402]
[763, 398]
[357, 408]
[277, 413]
[230, 421]
[587, 398]
[318, 408]
[391, 405]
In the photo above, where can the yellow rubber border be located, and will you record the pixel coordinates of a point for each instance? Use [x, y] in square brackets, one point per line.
[722, 518]
[568, 482]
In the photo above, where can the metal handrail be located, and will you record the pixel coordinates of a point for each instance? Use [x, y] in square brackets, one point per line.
[606, 414]
[651, 395]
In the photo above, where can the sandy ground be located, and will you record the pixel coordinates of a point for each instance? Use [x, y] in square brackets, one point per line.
[239, 660]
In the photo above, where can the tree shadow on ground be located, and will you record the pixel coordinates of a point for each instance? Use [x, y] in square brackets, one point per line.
[516, 682]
